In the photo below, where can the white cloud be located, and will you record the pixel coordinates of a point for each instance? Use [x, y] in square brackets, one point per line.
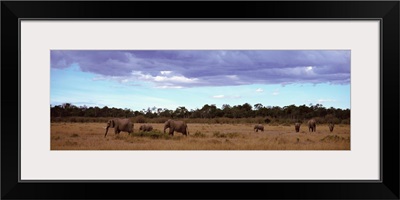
[259, 90]
[325, 100]
[275, 93]
[219, 96]
[226, 97]
[309, 71]
[161, 81]
[99, 78]
[233, 77]
[236, 97]
[165, 72]
[169, 86]
[112, 78]
[178, 79]
[164, 81]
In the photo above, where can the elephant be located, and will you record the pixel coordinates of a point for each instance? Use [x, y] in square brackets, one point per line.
[331, 126]
[178, 126]
[312, 125]
[258, 127]
[297, 127]
[120, 124]
[146, 127]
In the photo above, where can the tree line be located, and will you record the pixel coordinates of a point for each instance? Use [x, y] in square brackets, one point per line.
[291, 112]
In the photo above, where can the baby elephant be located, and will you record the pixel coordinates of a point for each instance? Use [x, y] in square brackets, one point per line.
[258, 127]
[331, 125]
[297, 127]
[146, 127]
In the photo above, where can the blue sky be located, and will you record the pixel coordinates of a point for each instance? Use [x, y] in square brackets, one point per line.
[171, 78]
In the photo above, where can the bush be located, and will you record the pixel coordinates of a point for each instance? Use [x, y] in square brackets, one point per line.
[331, 119]
[318, 120]
[345, 121]
[225, 135]
[218, 134]
[274, 124]
[334, 138]
[233, 135]
[159, 120]
[199, 134]
[140, 119]
[154, 134]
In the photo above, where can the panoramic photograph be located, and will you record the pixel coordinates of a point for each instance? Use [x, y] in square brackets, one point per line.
[200, 99]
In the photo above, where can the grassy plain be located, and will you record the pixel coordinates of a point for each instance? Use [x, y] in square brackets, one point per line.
[90, 136]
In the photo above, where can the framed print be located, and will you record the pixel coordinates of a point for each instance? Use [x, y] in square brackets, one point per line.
[114, 98]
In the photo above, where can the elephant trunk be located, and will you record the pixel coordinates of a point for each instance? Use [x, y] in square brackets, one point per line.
[165, 127]
[106, 131]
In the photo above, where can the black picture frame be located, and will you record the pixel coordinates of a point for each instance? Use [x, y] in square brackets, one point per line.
[386, 11]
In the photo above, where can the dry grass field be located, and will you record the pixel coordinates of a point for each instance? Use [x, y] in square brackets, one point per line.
[90, 136]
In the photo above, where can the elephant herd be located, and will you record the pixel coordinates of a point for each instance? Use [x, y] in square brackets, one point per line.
[126, 125]
[312, 126]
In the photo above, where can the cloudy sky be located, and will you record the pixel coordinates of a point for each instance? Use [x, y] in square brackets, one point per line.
[191, 78]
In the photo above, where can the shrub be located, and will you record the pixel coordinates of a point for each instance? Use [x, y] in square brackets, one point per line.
[232, 135]
[329, 118]
[154, 134]
[159, 120]
[225, 135]
[119, 137]
[218, 134]
[334, 138]
[178, 137]
[274, 124]
[345, 121]
[199, 134]
[140, 119]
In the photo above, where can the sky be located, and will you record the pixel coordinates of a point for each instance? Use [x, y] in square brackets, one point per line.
[141, 79]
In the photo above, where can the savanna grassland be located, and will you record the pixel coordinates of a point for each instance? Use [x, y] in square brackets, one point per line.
[203, 136]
